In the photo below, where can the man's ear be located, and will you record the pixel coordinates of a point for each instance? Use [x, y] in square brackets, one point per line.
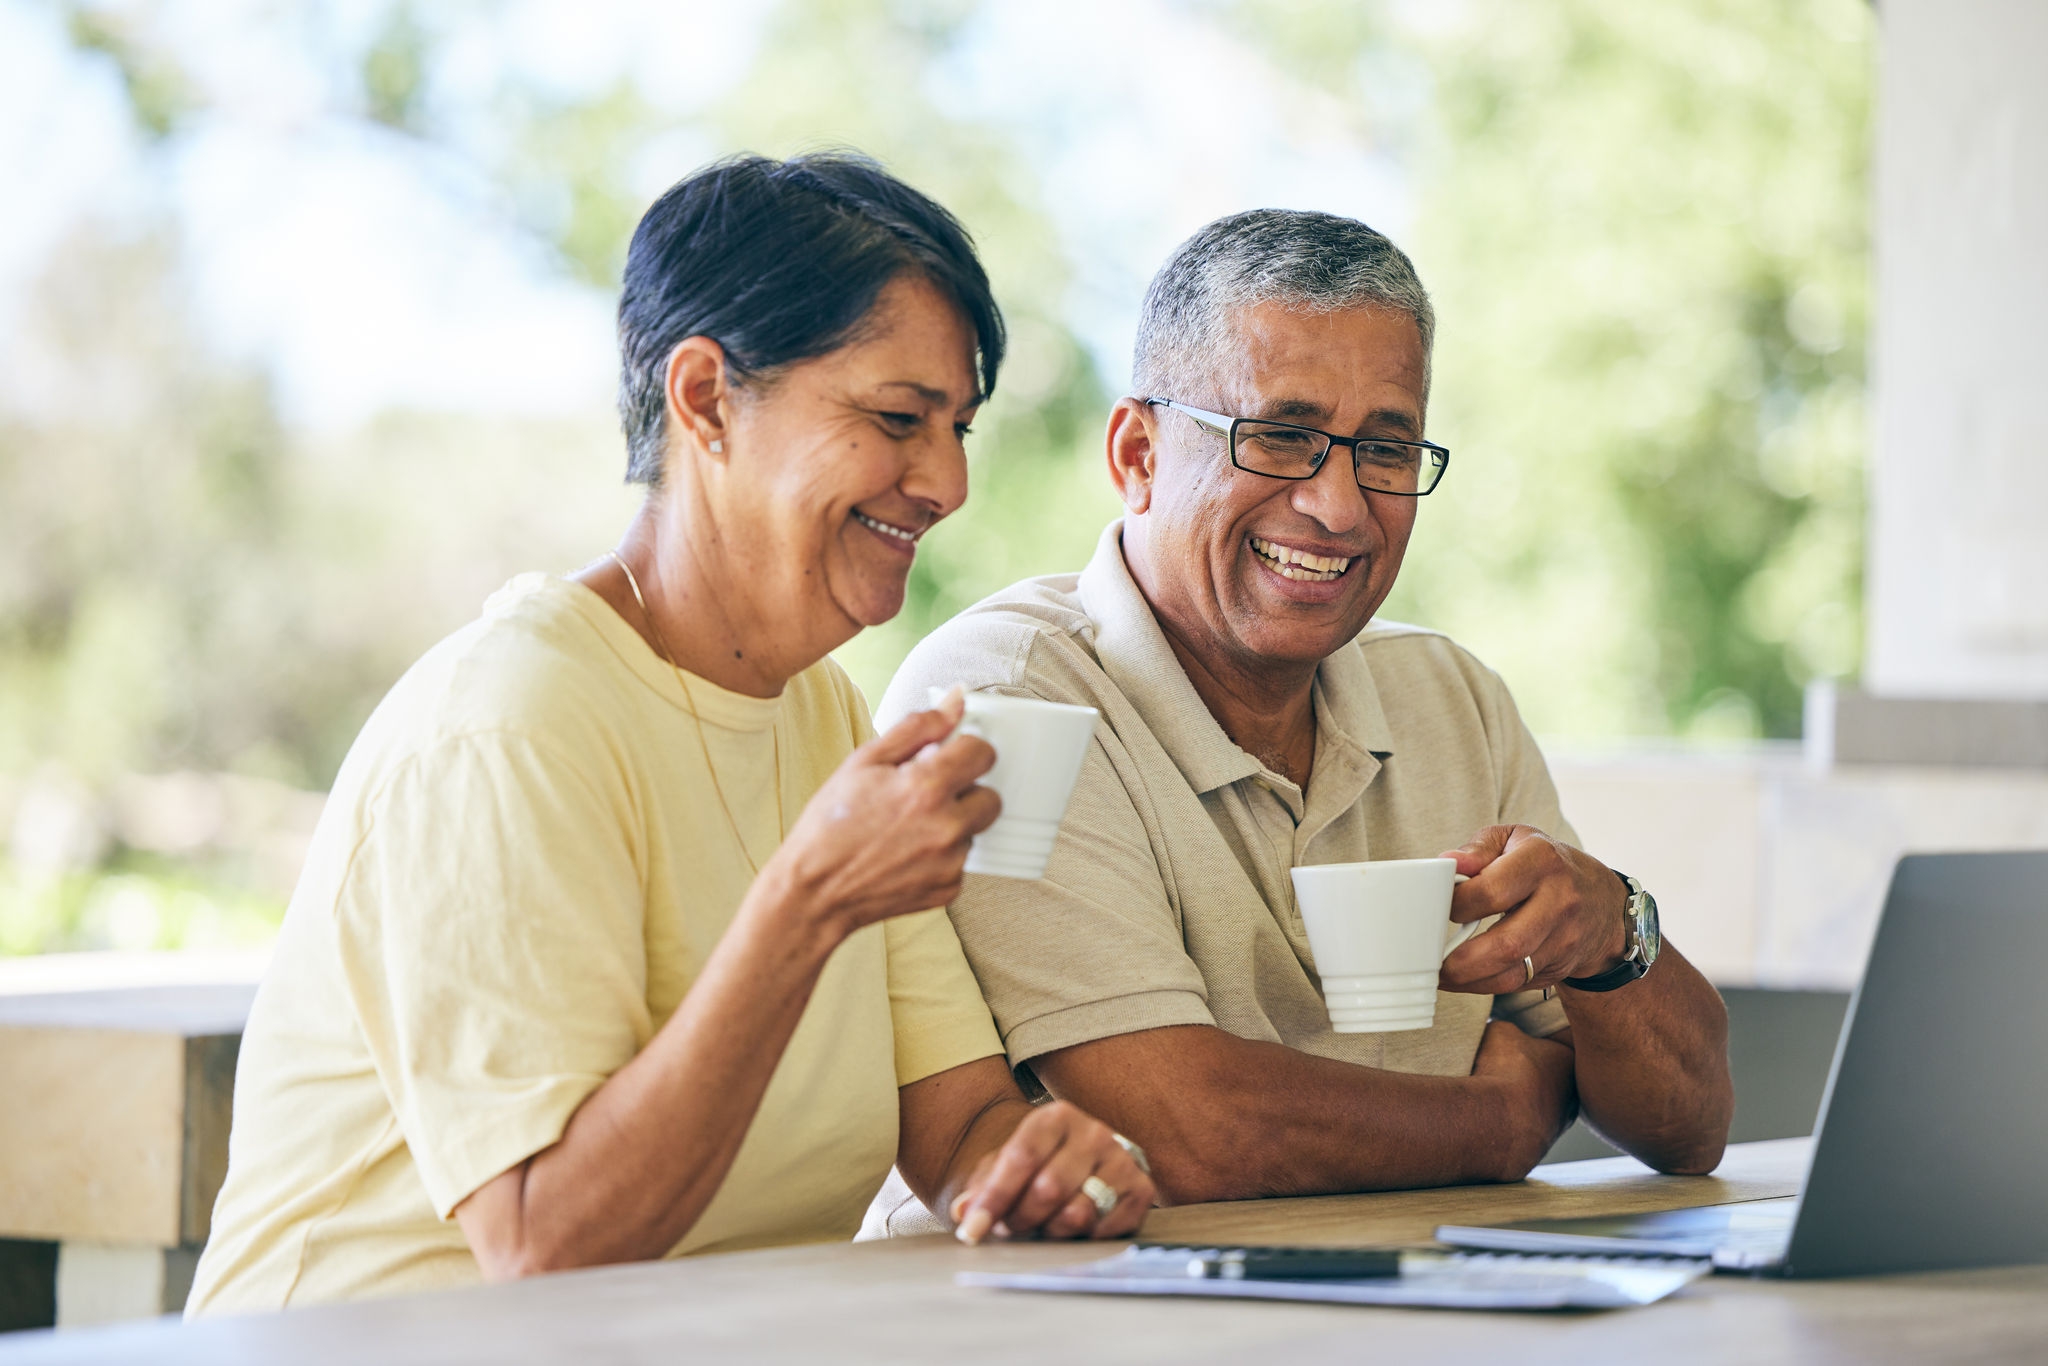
[699, 397]
[1133, 453]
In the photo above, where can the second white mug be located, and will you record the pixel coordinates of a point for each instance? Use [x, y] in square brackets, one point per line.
[1379, 932]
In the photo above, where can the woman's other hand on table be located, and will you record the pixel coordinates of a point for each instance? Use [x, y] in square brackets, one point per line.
[1038, 1182]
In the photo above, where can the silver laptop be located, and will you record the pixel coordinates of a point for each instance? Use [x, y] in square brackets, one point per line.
[1932, 1145]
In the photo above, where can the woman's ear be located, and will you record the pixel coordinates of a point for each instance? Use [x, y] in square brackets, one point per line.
[699, 395]
[1132, 453]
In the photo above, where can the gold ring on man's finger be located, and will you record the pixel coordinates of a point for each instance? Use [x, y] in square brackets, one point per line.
[1102, 1194]
[1528, 970]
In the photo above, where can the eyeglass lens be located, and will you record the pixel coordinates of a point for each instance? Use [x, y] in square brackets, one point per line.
[1296, 452]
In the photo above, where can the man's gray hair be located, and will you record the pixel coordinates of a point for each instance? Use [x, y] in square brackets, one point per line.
[1311, 262]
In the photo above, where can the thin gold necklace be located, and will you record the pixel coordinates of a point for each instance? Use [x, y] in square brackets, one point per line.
[774, 728]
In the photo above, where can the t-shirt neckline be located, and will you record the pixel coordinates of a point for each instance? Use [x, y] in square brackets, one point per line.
[715, 705]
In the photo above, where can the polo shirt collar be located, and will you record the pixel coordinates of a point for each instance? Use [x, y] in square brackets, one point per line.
[1352, 740]
[1353, 701]
[1133, 650]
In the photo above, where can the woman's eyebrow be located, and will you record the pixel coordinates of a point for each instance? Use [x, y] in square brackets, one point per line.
[936, 397]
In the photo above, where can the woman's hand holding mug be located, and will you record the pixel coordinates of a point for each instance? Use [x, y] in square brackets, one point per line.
[888, 833]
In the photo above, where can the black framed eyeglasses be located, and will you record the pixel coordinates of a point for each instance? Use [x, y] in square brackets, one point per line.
[1281, 450]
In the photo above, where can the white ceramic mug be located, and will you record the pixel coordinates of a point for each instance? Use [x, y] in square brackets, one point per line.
[1379, 932]
[1039, 750]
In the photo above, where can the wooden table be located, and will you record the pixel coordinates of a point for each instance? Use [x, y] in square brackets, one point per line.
[895, 1301]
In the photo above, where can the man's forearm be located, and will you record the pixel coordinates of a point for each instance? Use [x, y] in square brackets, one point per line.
[1651, 1060]
[1225, 1118]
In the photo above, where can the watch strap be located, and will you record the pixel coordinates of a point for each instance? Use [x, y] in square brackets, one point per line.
[1620, 975]
[1629, 969]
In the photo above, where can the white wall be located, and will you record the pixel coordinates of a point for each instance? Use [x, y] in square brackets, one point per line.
[1958, 555]
[1768, 873]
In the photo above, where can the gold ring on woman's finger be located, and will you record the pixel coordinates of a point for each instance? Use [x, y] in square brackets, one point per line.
[1528, 970]
[1102, 1194]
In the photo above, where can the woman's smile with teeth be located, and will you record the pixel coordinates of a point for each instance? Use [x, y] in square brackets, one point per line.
[1299, 564]
[906, 536]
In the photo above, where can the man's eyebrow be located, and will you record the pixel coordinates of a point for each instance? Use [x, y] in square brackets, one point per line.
[1310, 414]
[1397, 418]
[1294, 410]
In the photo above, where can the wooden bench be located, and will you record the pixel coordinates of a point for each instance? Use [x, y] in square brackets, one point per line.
[113, 1144]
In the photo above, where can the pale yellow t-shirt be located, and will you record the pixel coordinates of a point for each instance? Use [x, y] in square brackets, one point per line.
[520, 872]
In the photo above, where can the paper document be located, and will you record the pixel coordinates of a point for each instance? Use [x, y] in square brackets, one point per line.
[1428, 1279]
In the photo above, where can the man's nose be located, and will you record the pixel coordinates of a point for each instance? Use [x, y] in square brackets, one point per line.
[1331, 495]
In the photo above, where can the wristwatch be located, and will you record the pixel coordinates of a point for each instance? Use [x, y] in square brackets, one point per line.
[1639, 921]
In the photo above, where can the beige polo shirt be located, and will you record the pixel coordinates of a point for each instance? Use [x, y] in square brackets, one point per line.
[1167, 900]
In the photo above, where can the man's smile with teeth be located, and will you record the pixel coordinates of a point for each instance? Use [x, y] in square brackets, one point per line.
[1299, 564]
[902, 534]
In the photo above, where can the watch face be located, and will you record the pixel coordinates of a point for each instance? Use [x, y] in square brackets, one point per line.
[1648, 936]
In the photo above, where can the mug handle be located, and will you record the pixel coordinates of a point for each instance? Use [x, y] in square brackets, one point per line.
[937, 695]
[1465, 931]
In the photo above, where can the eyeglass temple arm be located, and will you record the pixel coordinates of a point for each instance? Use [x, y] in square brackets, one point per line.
[1218, 423]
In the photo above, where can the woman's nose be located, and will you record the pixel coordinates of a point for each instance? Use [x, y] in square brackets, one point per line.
[937, 477]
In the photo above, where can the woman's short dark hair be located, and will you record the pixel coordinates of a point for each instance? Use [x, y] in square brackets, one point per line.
[778, 262]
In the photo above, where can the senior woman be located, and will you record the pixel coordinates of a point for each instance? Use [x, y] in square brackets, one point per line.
[614, 941]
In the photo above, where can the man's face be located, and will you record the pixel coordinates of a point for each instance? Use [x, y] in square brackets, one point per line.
[1215, 537]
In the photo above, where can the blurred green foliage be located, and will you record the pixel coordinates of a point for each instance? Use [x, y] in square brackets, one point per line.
[134, 903]
[159, 95]
[184, 583]
[1645, 227]
[394, 70]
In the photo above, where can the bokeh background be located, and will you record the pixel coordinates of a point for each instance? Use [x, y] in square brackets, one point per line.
[305, 347]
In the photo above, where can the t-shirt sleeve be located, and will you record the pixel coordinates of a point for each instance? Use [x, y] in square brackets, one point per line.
[491, 935]
[935, 1008]
[1528, 797]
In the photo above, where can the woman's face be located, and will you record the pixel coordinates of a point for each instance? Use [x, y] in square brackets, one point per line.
[834, 470]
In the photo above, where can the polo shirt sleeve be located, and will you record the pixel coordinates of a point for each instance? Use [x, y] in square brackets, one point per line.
[1092, 949]
[1527, 797]
[1120, 964]
[491, 936]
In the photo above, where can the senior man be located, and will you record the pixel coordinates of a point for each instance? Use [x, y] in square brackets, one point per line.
[1255, 718]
